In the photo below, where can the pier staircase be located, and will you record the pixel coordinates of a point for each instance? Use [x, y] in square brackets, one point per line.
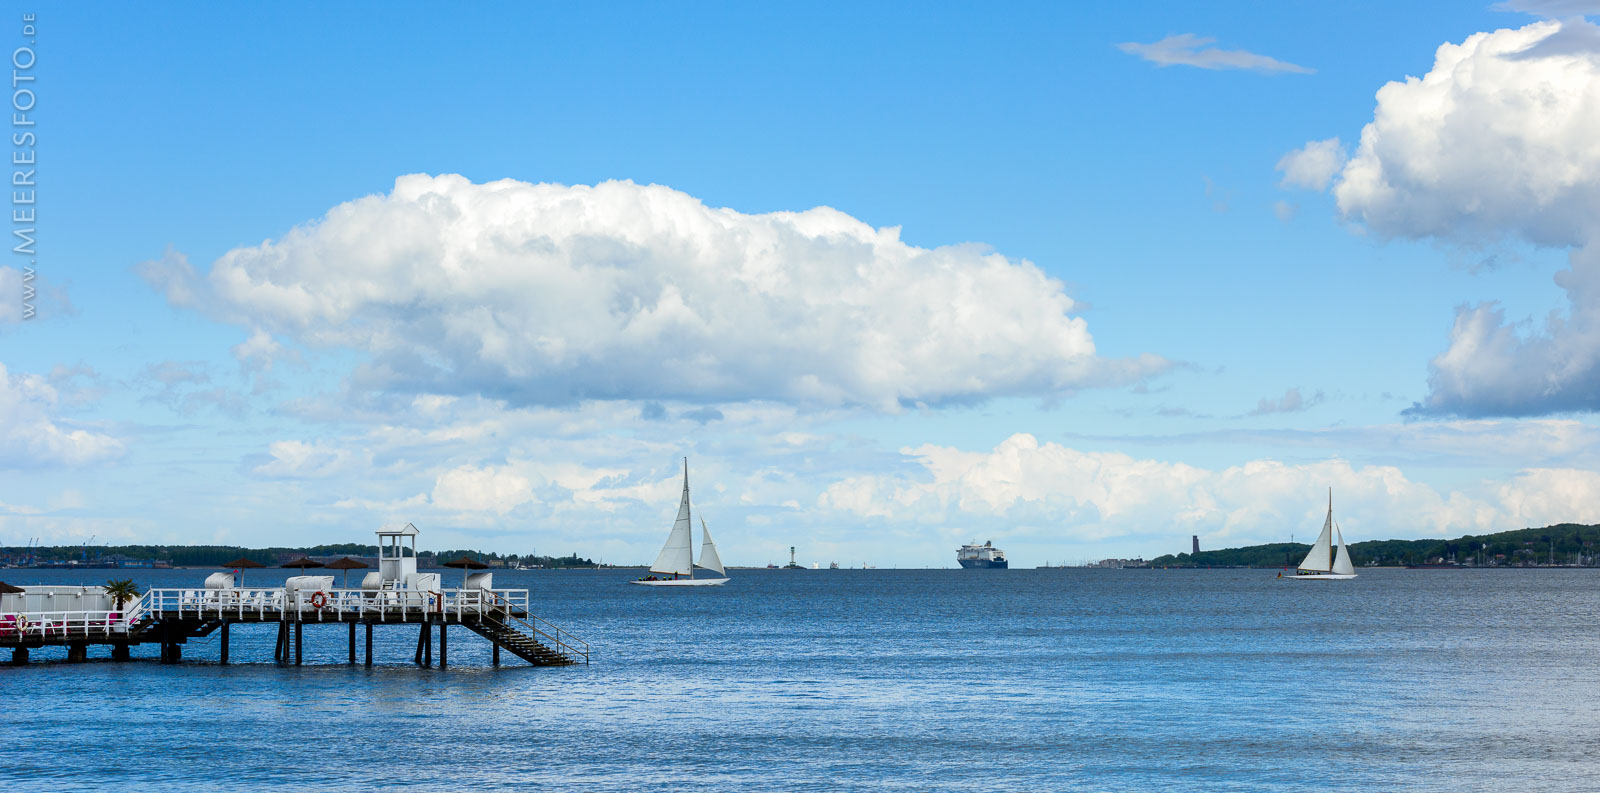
[534, 640]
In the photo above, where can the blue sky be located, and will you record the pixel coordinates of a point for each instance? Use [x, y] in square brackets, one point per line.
[1137, 291]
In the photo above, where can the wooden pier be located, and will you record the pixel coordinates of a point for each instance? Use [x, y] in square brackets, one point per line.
[171, 617]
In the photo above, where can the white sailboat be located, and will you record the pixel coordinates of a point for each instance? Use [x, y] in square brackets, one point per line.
[1322, 564]
[676, 557]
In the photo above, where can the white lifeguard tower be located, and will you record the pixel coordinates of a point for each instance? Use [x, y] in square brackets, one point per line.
[397, 562]
[397, 559]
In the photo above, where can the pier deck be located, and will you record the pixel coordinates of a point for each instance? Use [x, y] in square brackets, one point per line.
[170, 617]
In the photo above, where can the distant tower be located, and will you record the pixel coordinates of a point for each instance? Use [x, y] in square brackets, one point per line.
[1196, 539]
[791, 556]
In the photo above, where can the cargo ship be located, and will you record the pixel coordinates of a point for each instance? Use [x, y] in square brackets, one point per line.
[981, 557]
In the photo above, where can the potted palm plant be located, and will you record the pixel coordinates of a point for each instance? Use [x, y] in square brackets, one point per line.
[121, 591]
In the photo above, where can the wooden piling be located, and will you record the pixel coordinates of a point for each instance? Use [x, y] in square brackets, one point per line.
[444, 646]
[352, 644]
[369, 644]
[224, 641]
[298, 625]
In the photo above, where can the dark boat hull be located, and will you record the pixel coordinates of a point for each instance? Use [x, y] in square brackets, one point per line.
[981, 564]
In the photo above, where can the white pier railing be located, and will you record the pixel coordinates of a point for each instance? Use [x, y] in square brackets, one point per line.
[332, 605]
[62, 624]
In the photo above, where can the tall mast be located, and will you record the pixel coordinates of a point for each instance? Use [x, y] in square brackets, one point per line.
[691, 516]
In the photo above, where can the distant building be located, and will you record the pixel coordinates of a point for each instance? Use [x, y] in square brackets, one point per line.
[1196, 539]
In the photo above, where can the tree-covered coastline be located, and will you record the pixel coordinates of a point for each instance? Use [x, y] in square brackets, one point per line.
[218, 555]
[1564, 544]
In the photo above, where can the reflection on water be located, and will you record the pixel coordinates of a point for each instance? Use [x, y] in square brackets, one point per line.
[870, 680]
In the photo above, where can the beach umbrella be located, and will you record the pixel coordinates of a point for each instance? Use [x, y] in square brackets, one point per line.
[241, 564]
[7, 589]
[465, 564]
[302, 563]
[346, 564]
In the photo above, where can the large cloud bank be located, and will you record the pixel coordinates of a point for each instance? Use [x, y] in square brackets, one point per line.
[1500, 138]
[546, 294]
[1057, 490]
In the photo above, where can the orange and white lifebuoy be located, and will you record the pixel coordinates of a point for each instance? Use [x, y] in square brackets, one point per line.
[318, 599]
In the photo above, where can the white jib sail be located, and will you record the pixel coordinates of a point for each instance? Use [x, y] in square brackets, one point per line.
[1342, 565]
[677, 556]
[1320, 558]
[708, 552]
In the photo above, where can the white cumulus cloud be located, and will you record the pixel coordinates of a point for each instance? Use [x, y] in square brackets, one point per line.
[1313, 165]
[1501, 138]
[36, 436]
[550, 294]
[486, 489]
[302, 460]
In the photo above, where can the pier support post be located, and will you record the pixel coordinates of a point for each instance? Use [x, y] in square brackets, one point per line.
[224, 643]
[281, 652]
[19, 656]
[444, 645]
[298, 636]
[119, 652]
[422, 636]
[369, 644]
[171, 650]
[427, 644]
[496, 653]
[77, 653]
[352, 644]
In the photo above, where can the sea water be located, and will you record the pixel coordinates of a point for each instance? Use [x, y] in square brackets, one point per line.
[1024, 680]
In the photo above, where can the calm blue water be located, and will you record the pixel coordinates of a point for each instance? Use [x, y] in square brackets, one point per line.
[1026, 680]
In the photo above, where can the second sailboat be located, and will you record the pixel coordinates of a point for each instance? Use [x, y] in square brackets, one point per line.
[677, 556]
[1322, 563]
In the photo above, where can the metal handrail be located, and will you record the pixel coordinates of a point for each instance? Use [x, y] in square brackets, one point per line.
[554, 635]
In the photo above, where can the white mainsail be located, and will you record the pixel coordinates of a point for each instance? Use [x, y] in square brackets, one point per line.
[1320, 558]
[708, 551]
[1342, 565]
[677, 556]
